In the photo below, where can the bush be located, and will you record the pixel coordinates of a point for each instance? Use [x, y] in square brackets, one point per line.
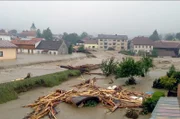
[157, 84]
[9, 91]
[128, 68]
[147, 63]
[131, 53]
[171, 71]
[168, 82]
[108, 66]
[81, 49]
[70, 49]
[150, 103]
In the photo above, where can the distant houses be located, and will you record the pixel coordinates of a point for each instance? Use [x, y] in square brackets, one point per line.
[91, 44]
[7, 50]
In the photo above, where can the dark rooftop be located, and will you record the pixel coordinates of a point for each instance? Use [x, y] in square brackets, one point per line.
[104, 36]
[142, 41]
[49, 45]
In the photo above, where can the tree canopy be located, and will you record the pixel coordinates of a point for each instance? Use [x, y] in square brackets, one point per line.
[178, 36]
[83, 35]
[170, 37]
[47, 34]
[154, 36]
[38, 34]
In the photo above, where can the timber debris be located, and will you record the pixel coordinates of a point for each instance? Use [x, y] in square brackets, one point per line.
[87, 90]
[83, 68]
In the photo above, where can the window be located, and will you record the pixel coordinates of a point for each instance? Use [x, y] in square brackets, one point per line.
[105, 43]
[135, 46]
[49, 52]
[109, 43]
[54, 53]
[122, 48]
[149, 46]
[122, 40]
[0, 38]
[122, 43]
[146, 46]
[114, 43]
[114, 40]
[101, 43]
[101, 39]
[93, 46]
[1, 53]
[105, 47]
[89, 46]
[142, 46]
[118, 40]
[101, 47]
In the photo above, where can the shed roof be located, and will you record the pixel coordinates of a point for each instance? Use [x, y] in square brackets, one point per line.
[164, 44]
[90, 42]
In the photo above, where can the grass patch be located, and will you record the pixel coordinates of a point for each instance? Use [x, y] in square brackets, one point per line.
[9, 91]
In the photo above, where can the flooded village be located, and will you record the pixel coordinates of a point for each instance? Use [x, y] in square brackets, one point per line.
[102, 74]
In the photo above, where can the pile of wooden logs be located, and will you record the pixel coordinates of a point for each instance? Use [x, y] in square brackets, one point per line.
[83, 68]
[111, 98]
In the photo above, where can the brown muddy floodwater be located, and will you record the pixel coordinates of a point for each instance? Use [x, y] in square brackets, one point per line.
[14, 110]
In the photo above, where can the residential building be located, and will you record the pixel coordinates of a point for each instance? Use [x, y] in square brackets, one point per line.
[80, 43]
[7, 50]
[27, 46]
[167, 48]
[117, 42]
[142, 43]
[91, 44]
[5, 36]
[52, 47]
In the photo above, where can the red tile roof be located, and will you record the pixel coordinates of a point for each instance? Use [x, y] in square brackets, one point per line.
[164, 52]
[6, 44]
[28, 33]
[142, 41]
[33, 41]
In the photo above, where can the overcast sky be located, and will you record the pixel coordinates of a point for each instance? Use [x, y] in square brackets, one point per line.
[95, 17]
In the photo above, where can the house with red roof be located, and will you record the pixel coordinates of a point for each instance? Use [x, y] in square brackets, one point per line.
[7, 50]
[26, 46]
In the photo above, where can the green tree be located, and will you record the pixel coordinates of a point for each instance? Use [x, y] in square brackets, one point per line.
[71, 38]
[47, 34]
[178, 36]
[154, 53]
[169, 37]
[83, 35]
[38, 34]
[70, 49]
[154, 36]
[108, 66]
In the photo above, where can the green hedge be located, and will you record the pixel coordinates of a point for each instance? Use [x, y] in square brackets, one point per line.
[10, 90]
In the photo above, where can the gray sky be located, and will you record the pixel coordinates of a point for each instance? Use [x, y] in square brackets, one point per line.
[95, 17]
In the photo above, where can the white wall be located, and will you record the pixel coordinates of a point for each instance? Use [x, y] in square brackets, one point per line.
[38, 51]
[146, 48]
[3, 37]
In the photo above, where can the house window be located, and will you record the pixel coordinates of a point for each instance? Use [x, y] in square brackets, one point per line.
[0, 38]
[118, 40]
[93, 46]
[114, 40]
[49, 52]
[142, 46]
[101, 47]
[54, 53]
[105, 47]
[109, 43]
[89, 46]
[114, 43]
[105, 43]
[122, 48]
[122, 40]
[146, 46]
[122, 43]
[149, 46]
[101, 39]
[101, 44]
[1, 53]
